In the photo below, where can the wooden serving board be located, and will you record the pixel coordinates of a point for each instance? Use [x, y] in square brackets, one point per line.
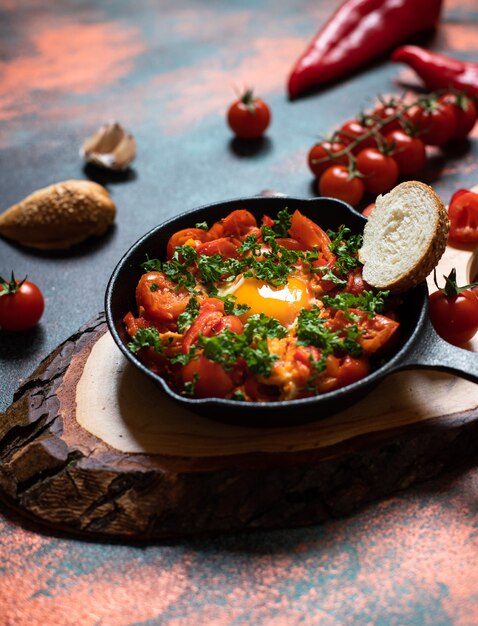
[93, 447]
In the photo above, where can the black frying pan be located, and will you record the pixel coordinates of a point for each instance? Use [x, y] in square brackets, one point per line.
[419, 347]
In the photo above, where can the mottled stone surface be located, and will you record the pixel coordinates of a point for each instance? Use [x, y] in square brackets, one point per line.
[167, 71]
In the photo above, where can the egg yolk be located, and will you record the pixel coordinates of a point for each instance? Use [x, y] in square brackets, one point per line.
[283, 303]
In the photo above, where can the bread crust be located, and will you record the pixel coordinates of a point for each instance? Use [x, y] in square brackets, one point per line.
[418, 270]
[60, 215]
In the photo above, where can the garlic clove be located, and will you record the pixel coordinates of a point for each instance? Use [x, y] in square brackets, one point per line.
[111, 147]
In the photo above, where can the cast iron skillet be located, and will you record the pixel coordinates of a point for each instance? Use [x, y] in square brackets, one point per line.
[419, 347]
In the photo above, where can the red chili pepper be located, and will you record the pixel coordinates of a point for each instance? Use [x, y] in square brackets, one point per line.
[439, 71]
[357, 33]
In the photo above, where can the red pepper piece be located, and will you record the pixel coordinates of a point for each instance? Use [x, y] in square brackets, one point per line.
[357, 33]
[439, 71]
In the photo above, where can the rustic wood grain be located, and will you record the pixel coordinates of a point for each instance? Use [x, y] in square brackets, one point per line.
[207, 477]
[91, 446]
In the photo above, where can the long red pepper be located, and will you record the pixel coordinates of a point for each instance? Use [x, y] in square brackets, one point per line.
[357, 33]
[439, 71]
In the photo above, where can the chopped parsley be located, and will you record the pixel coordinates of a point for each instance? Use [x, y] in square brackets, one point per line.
[345, 245]
[177, 268]
[189, 387]
[369, 301]
[230, 306]
[152, 265]
[251, 346]
[281, 224]
[187, 317]
[146, 338]
[313, 331]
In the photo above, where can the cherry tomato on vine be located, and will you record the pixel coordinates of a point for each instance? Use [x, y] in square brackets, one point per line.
[380, 171]
[392, 108]
[453, 311]
[321, 156]
[338, 182]
[21, 304]
[434, 121]
[463, 214]
[465, 113]
[353, 130]
[408, 152]
[248, 117]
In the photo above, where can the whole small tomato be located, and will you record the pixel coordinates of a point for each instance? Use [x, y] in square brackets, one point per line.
[248, 117]
[463, 214]
[392, 110]
[408, 152]
[434, 120]
[453, 311]
[465, 113]
[354, 130]
[379, 171]
[338, 182]
[321, 156]
[21, 304]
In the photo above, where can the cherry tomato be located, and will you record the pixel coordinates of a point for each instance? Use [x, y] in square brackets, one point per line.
[338, 182]
[321, 156]
[21, 304]
[291, 244]
[222, 246]
[237, 223]
[408, 152]
[453, 311]
[376, 331]
[308, 233]
[249, 116]
[229, 322]
[389, 109]
[353, 130]
[159, 299]
[355, 282]
[465, 113]
[351, 369]
[210, 380]
[341, 371]
[259, 392]
[435, 121]
[210, 313]
[380, 171]
[463, 214]
[190, 236]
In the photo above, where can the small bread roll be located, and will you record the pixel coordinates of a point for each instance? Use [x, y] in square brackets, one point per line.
[404, 238]
[59, 216]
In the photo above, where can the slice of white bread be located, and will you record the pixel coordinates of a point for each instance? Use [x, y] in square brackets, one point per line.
[404, 238]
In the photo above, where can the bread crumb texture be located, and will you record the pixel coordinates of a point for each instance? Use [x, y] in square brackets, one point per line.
[60, 215]
[404, 238]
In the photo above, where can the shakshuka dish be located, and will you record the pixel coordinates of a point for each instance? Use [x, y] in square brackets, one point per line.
[261, 312]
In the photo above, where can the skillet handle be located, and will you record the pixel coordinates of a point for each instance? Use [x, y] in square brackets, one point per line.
[432, 352]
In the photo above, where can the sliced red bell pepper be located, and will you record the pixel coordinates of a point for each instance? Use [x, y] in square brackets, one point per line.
[357, 33]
